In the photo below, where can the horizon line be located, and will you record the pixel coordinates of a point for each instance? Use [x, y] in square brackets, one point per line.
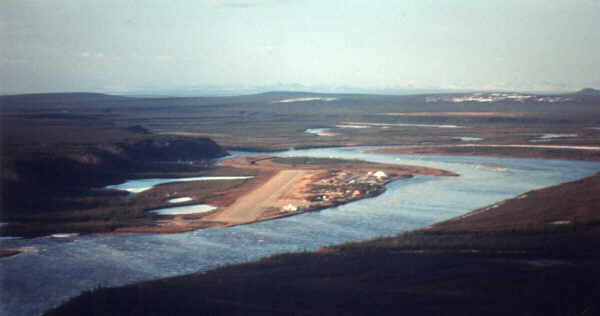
[182, 94]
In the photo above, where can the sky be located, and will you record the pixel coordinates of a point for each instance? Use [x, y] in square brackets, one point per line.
[125, 46]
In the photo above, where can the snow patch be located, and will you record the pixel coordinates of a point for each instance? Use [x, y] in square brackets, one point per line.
[319, 131]
[494, 97]
[305, 100]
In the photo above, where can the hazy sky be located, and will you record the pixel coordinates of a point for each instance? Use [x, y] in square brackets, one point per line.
[124, 46]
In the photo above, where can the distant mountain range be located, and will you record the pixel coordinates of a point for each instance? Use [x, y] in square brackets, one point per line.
[296, 90]
[302, 89]
[218, 90]
[587, 91]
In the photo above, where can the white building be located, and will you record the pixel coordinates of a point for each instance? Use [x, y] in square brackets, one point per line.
[380, 174]
[290, 208]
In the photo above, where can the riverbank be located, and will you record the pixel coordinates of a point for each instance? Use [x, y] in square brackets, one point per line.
[585, 153]
[264, 194]
[8, 252]
[532, 254]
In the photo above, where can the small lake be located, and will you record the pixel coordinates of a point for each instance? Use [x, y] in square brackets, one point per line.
[50, 270]
[468, 139]
[319, 131]
[182, 210]
[180, 200]
[140, 185]
[405, 125]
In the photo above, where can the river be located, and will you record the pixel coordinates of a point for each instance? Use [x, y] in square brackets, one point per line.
[51, 270]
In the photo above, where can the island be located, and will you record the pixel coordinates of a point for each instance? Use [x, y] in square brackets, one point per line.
[285, 186]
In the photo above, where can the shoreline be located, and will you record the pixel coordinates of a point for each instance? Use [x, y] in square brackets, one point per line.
[265, 171]
[170, 224]
[510, 151]
[295, 195]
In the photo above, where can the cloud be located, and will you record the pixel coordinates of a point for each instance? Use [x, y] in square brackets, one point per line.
[112, 56]
[238, 3]
[14, 61]
[94, 55]
[115, 89]
[163, 57]
[231, 3]
[264, 49]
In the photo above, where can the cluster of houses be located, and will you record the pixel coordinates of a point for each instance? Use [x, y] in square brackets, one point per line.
[346, 185]
[342, 186]
[351, 177]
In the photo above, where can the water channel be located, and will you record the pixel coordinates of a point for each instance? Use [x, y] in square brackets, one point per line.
[51, 270]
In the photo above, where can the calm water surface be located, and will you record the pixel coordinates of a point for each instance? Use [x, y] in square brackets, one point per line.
[54, 269]
[140, 185]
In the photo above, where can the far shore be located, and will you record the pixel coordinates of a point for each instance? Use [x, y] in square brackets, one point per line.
[549, 151]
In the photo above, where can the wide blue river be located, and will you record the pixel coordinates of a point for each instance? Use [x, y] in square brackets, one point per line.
[51, 270]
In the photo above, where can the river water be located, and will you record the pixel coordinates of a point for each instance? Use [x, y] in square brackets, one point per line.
[51, 270]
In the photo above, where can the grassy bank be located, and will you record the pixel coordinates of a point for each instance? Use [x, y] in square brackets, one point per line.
[101, 211]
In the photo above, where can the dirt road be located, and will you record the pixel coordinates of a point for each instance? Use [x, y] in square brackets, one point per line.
[250, 207]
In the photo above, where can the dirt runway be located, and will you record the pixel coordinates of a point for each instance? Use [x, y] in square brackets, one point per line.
[250, 207]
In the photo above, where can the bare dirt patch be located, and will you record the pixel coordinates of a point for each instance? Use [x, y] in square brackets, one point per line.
[251, 206]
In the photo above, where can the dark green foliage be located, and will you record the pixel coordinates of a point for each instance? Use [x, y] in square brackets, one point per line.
[55, 158]
[172, 149]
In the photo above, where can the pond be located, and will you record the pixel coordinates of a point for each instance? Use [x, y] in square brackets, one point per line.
[141, 185]
[182, 210]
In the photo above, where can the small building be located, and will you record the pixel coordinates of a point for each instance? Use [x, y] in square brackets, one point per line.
[380, 174]
[290, 208]
[356, 193]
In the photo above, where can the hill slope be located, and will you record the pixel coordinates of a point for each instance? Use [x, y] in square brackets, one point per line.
[587, 91]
